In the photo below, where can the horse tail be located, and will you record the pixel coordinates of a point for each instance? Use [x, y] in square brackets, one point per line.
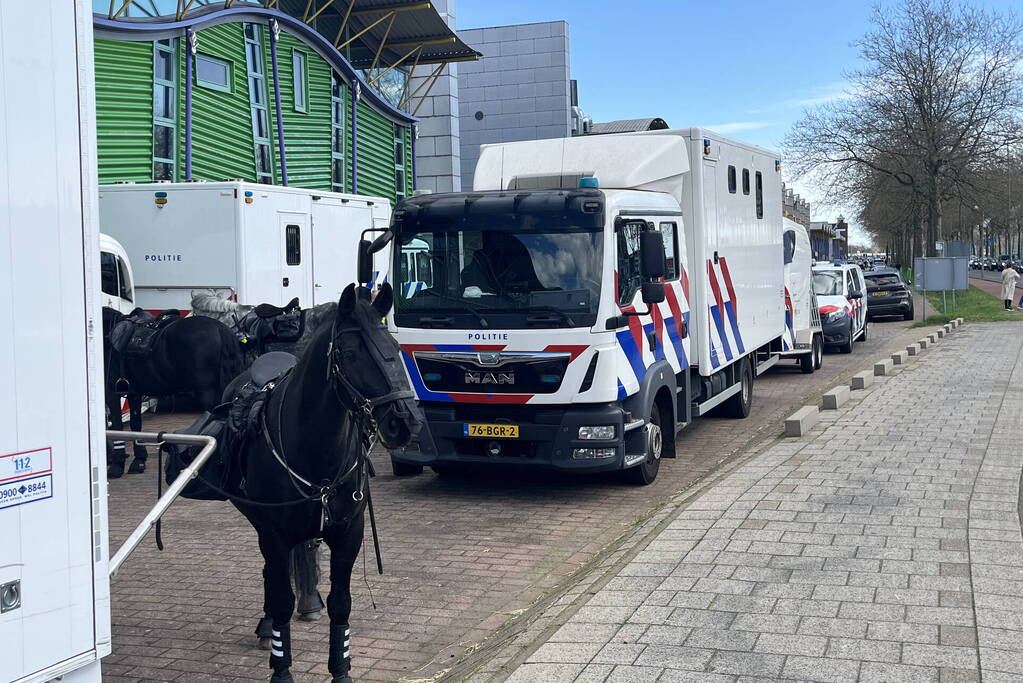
[231, 360]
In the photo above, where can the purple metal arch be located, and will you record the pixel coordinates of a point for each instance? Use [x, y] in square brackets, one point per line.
[415, 182]
[355, 139]
[110, 28]
[188, 104]
[277, 105]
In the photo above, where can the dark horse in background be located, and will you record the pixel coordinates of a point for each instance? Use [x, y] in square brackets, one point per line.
[307, 477]
[199, 356]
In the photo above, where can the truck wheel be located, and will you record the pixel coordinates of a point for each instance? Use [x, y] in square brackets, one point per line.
[818, 356]
[405, 469]
[645, 473]
[863, 334]
[809, 362]
[738, 406]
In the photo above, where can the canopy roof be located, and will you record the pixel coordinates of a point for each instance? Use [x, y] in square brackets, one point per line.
[370, 33]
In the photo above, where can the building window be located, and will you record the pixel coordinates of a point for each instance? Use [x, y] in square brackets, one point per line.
[399, 161]
[745, 181]
[164, 109]
[213, 73]
[299, 80]
[760, 195]
[258, 103]
[731, 179]
[337, 134]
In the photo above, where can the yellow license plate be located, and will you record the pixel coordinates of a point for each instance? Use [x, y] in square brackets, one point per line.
[486, 431]
[881, 293]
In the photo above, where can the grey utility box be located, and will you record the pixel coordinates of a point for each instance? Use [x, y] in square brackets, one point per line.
[941, 274]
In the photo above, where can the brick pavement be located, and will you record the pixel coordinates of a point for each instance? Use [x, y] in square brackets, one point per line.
[467, 558]
[885, 546]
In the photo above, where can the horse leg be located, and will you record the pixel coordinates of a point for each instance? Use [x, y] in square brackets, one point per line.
[115, 449]
[305, 569]
[281, 602]
[264, 628]
[344, 548]
[138, 462]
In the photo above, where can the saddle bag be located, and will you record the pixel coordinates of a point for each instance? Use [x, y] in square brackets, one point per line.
[221, 470]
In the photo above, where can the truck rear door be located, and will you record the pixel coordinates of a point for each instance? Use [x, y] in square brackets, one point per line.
[295, 258]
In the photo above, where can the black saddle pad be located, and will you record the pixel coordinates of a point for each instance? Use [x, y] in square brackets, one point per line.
[223, 469]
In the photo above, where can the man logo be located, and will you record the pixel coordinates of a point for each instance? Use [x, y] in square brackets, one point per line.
[490, 377]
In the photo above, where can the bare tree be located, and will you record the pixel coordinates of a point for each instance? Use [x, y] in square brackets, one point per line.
[940, 96]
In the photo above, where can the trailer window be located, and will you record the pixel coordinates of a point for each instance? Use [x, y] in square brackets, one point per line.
[731, 179]
[745, 181]
[124, 280]
[293, 245]
[760, 195]
[108, 273]
[790, 245]
[670, 236]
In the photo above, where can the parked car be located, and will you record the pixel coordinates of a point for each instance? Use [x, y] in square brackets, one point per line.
[888, 294]
[840, 291]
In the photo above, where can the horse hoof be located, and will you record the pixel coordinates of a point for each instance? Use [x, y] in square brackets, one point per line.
[115, 471]
[310, 616]
[137, 466]
[286, 677]
[342, 679]
[264, 644]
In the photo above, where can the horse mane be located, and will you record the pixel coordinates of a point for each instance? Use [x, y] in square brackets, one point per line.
[315, 318]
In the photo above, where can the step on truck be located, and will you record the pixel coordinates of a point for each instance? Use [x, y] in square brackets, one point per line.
[588, 300]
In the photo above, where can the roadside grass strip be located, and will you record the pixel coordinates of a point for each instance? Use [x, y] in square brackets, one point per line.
[973, 305]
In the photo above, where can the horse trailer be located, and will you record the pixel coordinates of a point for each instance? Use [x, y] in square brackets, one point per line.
[583, 328]
[54, 585]
[255, 243]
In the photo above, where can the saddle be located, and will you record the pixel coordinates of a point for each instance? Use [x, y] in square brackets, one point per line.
[232, 423]
[268, 323]
[135, 336]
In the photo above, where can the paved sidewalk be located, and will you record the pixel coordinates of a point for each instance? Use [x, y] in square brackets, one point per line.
[886, 546]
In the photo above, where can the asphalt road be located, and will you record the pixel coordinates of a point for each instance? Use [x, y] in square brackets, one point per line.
[463, 554]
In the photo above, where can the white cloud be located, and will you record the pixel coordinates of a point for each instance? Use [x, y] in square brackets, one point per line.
[739, 126]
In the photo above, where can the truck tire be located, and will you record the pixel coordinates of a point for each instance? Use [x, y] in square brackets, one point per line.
[863, 334]
[738, 406]
[818, 360]
[645, 473]
[405, 469]
[809, 362]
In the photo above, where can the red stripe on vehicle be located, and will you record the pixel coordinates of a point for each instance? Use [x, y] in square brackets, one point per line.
[715, 287]
[676, 310]
[685, 285]
[635, 327]
[728, 286]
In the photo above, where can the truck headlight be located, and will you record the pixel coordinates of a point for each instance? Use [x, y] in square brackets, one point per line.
[597, 432]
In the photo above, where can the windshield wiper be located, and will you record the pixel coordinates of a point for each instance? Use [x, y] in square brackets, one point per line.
[561, 315]
[465, 307]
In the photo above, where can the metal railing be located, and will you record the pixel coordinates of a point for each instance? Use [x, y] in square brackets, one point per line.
[209, 445]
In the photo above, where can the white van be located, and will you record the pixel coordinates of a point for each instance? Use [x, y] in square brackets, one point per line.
[841, 297]
[116, 277]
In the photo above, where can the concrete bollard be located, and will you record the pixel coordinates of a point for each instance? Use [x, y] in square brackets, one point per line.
[933, 338]
[948, 328]
[941, 333]
[834, 399]
[922, 343]
[862, 380]
[900, 358]
[882, 368]
[800, 422]
[913, 349]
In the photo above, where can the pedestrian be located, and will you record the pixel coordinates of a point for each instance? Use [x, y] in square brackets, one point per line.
[1009, 277]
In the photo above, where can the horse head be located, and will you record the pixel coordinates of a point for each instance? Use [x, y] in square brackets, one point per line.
[365, 366]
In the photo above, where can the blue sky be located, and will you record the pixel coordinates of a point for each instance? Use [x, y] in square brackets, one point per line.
[746, 68]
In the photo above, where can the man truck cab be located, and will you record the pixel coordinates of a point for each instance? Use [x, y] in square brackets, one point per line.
[116, 277]
[590, 298]
[841, 290]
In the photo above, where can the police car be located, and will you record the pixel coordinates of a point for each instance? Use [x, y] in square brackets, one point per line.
[841, 289]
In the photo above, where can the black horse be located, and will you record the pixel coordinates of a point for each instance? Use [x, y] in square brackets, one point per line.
[195, 355]
[307, 477]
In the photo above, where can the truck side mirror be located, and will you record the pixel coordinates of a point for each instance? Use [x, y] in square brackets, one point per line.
[364, 267]
[651, 247]
[653, 292]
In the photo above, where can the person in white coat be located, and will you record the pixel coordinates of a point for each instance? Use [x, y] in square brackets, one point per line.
[1009, 277]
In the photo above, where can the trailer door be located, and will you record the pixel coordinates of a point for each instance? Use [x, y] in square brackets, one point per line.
[296, 258]
[336, 231]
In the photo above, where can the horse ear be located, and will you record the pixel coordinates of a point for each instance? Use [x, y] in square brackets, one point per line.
[346, 304]
[385, 297]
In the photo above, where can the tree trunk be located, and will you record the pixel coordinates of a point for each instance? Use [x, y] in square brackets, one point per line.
[933, 218]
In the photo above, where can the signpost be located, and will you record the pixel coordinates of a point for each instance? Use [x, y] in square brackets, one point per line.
[941, 274]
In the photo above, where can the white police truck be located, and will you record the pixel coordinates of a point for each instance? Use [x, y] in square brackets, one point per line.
[589, 299]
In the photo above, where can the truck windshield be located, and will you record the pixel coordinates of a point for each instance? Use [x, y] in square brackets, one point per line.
[514, 278]
[827, 283]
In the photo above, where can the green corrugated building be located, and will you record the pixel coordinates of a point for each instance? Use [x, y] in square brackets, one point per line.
[307, 93]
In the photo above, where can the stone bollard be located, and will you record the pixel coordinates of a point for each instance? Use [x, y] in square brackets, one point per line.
[862, 380]
[900, 358]
[913, 349]
[882, 368]
[922, 343]
[800, 422]
[834, 399]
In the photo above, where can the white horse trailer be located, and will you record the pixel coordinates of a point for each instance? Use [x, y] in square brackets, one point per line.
[256, 243]
[54, 586]
[803, 338]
